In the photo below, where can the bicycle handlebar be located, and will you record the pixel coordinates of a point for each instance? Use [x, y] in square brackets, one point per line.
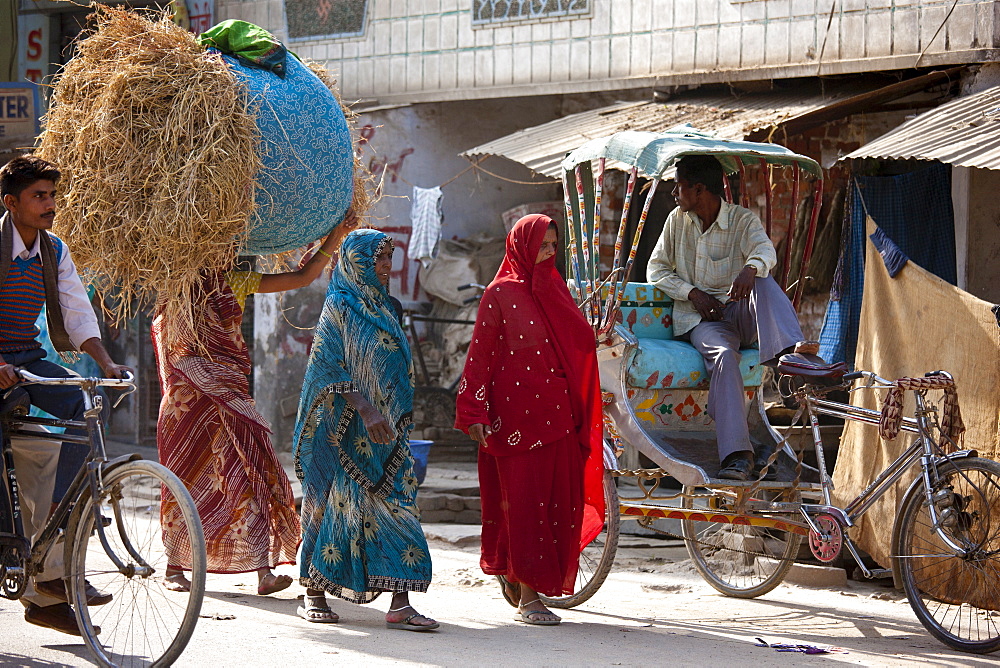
[874, 380]
[123, 383]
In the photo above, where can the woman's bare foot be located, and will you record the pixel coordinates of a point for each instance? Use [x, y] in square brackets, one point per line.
[404, 616]
[531, 610]
[315, 608]
[269, 583]
[175, 580]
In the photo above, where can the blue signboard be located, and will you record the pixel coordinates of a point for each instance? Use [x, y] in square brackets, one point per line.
[20, 108]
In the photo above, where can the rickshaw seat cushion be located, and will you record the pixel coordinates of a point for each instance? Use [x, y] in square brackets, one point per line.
[675, 364]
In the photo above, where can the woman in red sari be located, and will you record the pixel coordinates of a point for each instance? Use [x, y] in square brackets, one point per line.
[530, 396]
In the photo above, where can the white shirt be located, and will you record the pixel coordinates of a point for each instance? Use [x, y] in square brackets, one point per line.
[78, 314]
[686, 258]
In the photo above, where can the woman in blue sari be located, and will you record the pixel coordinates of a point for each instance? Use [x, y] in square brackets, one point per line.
[361, 534]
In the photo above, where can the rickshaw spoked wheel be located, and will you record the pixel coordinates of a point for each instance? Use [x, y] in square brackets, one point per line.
[738, 560]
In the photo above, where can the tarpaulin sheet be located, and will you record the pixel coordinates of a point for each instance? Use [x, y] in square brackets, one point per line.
[912, 324]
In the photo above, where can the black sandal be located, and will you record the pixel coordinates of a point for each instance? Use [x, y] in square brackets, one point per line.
[312, 612]
[515, 598]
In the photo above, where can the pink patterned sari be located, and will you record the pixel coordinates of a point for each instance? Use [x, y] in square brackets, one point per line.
[210, 434]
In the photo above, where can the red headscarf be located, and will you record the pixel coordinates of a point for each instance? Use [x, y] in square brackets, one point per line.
[572, 339]
[569, 332]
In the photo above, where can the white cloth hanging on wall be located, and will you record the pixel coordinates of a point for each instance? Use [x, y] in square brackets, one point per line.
[426, 215]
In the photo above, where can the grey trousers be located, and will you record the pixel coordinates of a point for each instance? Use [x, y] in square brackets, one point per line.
[35, 463]
[766, 318]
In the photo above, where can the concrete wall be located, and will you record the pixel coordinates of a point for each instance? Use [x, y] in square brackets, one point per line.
[420, 50]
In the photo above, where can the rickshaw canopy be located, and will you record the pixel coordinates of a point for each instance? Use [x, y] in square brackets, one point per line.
[653, 153]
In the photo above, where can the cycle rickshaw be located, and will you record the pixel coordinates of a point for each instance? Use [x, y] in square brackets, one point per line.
[743, 537]
[109, 527]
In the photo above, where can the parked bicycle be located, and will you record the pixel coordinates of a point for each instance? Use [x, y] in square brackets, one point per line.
[109, 525]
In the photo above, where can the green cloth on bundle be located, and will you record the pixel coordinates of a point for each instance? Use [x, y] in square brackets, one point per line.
[251, 44]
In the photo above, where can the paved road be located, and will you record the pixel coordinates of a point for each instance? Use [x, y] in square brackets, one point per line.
[652, 610]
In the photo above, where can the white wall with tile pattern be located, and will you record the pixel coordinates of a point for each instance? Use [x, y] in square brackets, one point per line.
[428, 50]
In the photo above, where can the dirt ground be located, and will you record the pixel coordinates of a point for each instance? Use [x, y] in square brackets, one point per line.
[652, 610]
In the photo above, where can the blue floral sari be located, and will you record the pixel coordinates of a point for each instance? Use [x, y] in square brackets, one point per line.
[361, 534]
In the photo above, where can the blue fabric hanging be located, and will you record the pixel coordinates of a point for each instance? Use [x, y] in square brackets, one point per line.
[914, 211]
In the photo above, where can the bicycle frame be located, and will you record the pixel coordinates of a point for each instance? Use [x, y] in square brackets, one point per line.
[922, 450]
[90, 475]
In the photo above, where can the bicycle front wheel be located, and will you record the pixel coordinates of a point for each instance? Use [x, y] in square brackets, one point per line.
[144, 624]
[739, 560]
[598, 557]
[955, 596]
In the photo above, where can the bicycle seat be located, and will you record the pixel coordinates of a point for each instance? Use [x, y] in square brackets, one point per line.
[14, 401]
[809, 366]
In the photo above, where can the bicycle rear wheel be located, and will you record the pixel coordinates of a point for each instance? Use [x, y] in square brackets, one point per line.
[736, 559]
[956, 597]
[598, 557]
[144, 624]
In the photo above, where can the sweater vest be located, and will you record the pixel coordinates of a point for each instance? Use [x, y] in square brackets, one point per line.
[22, 296]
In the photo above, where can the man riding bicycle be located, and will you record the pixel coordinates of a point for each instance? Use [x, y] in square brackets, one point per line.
[36, 270]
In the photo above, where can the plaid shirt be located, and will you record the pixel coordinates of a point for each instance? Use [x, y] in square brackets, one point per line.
[684, 258]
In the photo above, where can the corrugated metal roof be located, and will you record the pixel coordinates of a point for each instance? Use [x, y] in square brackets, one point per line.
[542, 148]
[964, 132]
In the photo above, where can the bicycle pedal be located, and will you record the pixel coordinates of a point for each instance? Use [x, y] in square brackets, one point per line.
[879, 573]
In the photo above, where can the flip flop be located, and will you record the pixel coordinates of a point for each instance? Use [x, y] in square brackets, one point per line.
[525, 616]
[280, 582]
[515, 587]
[405, 625]
[311, 614]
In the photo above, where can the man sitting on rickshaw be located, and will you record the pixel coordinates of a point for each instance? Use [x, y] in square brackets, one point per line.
[714, 260]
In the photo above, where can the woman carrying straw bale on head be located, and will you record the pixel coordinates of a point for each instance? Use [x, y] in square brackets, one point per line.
[210, 434]
[361, 533]
[530, 396]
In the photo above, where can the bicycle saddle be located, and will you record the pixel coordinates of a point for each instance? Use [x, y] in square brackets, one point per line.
[14, 401]
[809, 366]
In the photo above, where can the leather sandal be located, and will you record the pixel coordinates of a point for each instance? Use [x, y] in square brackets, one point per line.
[58, 617]
[57, 589]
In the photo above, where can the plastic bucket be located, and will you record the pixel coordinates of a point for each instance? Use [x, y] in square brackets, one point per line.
[420, 450]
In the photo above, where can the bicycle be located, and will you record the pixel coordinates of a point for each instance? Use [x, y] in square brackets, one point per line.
[435, 395]
[110, 524]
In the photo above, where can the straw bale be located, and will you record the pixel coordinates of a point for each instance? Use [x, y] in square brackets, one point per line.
[159, 154]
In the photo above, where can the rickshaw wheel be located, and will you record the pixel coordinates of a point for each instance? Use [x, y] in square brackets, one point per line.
[738, 560]
[597, 558]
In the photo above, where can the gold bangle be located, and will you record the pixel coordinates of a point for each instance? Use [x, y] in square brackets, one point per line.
[323, 252]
